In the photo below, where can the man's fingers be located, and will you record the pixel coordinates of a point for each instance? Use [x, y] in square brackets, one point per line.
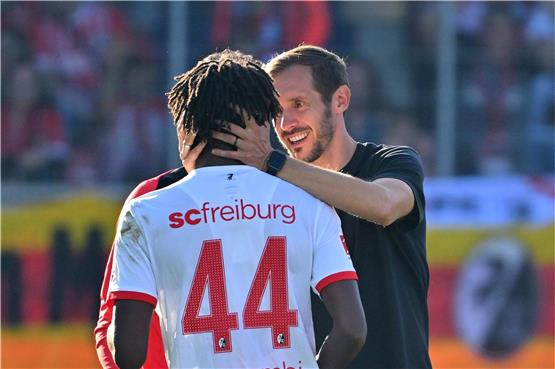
[248, 119]
[189, 156]
[250, 122]
[184, 150]
[244, 133]
[227, 154]
[227, 138]
[238, 110]
[190, 138]
[242, 113]
[235, 129]
[224, 137]
[194, 154]
[186, 153]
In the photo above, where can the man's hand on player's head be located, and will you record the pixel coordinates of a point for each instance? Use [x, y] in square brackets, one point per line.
[252, 142]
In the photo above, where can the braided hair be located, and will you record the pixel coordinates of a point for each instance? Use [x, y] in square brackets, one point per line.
[217, 89]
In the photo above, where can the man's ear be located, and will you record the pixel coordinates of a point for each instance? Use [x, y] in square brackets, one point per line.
[341, 99]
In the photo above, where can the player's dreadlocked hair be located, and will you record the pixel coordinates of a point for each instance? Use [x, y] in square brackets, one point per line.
[214, 90]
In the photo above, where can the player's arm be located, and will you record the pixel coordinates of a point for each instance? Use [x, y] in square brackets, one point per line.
[342, 300]
[155, 357]
[105, 314]
[382, 201]
[132, 294]
[131, 330]
[334, 280]
[104, 320]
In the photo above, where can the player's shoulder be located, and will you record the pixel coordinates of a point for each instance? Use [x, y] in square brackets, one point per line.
[152, 190]
[162, 195]
[155, 183]
[286, 190]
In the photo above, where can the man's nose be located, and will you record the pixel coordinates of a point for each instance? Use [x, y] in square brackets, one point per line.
[288, 121]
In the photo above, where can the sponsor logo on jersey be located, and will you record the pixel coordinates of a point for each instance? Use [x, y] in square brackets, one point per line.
[241, 210]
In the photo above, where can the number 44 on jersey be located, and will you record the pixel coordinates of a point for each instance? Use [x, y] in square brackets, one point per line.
[210, 273]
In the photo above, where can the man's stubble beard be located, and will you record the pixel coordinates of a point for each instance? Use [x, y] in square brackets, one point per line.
[324, 135]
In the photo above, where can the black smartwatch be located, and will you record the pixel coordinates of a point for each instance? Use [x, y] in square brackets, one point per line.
[275, 162]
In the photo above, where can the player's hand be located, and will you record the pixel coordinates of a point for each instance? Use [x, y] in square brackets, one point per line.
[252, 142]
[190, 155]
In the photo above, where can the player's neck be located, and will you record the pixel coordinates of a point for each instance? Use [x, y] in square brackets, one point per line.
[206, 159]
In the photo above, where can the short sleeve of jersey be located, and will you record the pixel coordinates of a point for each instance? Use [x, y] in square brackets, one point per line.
[132, 275]
[331, 260]
[403, 163]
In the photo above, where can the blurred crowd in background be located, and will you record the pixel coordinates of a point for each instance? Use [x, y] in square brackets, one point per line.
[84, 119]
[83, 82]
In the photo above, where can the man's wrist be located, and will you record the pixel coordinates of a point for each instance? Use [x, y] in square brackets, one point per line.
[274, 162]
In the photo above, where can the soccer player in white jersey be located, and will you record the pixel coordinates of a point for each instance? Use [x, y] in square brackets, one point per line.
[227, 255]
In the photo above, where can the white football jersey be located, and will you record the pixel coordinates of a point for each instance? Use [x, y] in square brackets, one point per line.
[228, 255]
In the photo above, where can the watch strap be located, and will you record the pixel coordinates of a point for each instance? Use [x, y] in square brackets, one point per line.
[275, 162]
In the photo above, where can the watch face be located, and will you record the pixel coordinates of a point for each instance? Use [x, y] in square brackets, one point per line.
[275, 162]
[496, 299]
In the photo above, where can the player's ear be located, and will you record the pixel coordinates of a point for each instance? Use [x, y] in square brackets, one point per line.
[340, 99]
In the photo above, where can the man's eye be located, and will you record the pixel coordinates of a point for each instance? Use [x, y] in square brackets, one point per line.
[299, 104]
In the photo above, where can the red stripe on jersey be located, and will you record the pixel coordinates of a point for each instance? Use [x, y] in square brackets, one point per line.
[341, 276]
[156, 357]
[132, 295]
[146, 186]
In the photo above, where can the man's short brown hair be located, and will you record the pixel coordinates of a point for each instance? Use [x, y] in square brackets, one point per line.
[329, 71]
